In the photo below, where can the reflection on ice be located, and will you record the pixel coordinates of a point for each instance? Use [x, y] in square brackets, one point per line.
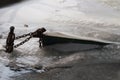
[30, 60]
[5, 72]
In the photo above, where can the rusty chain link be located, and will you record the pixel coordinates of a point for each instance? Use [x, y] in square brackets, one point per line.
[38, 33]
[26, 40]
[11, 37]
[31, 34]
[22, 36]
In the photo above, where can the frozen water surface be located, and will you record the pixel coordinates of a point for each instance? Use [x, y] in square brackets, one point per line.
[88, 19]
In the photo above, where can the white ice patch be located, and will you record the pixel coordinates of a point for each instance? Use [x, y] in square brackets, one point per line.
[5, 72]
[30, 60]
[48, 11]
[1, 47]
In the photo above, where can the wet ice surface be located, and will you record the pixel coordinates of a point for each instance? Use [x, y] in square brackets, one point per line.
[80, 18]
[50, 56]
[107, 55]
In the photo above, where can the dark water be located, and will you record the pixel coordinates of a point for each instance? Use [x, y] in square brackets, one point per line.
[5, 3]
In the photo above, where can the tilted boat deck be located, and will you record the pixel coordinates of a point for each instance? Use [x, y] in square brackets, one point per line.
[59, 38]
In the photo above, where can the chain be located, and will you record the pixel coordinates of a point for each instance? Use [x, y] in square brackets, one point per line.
[11, 37]
[41, 43]
[37, 33]
[24, 35]
[26, 40]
